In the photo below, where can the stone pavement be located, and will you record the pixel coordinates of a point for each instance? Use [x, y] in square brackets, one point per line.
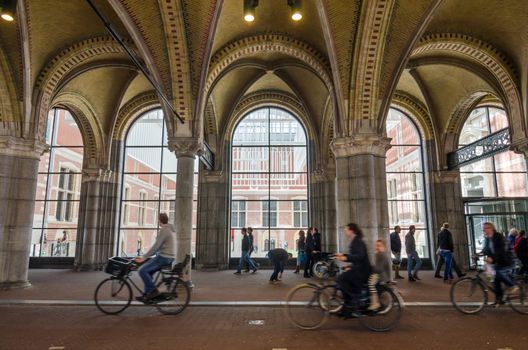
[209, 286]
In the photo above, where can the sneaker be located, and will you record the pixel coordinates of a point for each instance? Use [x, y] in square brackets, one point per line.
[412, 279]
[154, 294]
[237, 273]
[254, 271]
[417, 278]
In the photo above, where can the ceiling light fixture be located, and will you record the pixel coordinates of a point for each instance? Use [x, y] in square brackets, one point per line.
[296, 9]
[8, 9]
[249, 10]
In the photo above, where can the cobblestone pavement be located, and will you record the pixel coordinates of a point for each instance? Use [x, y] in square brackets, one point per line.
[25, 327]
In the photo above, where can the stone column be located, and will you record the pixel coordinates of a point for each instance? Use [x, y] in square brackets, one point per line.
[186, 150]
[447, 206]
[361, 188]
[212, 238]
[323, 207]
[19, 161]
[98, 213]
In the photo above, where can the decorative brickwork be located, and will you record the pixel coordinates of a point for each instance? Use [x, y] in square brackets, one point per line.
[415, 110]
[132, 109]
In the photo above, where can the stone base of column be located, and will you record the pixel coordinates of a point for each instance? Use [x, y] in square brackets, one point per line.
[14, 285]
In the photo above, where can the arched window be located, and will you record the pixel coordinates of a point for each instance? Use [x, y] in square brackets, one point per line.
[149, 184]
[269, 180]
[406, 179]
[501, 175]
[58, 188]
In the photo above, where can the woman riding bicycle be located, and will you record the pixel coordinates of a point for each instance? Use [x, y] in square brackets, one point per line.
[353, 280]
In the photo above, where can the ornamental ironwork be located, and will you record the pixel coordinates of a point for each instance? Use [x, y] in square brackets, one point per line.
[207, 157]
[483, 148]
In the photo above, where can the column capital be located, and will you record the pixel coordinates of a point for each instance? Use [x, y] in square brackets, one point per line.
[19, 147]
[98, 174]
[373, 144]
[321, 175]
[446, 176]
[185, 146]
[520, 147]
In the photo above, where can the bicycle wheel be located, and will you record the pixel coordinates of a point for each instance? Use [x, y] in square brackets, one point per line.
[175, 296]
[331, 299]
[320, 270]
[519, 302]
[388, 315]
[303, 307]
[468, 295]
[113, 295]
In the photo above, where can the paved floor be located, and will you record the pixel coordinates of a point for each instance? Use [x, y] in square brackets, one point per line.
[24, 327]
[209, 286]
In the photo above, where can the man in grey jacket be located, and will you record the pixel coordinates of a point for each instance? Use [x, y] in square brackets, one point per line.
[164, 250]
[414, 263]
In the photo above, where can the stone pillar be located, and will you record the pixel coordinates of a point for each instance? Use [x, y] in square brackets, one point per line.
[447, 206]
[19, 161]
[186, 150]
[361, 188]
[98, 215]
[323, 208]
[212, 238]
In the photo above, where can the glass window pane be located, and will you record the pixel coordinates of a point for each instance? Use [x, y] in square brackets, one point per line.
[142, 184]
[143, 160]
[512, 185]
[250, 186]
[285, 239]
[510, 161]
[250, 159]
[498, 119]
[475, 127]
[288, 186]
[288, 159]
[285, 129]
[408, 186]
[404, 158]
[253, 129]
[483, 165]
[478, 185]
[147, 130]
[169, 161]
[401, 129]
[168, 186]
[136, 241]
[66, 132]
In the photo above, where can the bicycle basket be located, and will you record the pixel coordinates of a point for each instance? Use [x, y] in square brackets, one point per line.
[117, 266]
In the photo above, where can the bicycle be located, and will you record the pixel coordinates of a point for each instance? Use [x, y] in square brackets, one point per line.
[114, 294]
[308, 307]
[327, 267]
[469, 294]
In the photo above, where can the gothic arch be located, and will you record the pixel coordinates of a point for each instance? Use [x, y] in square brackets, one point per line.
[127, 114]
[91, 129]
[415, 110]
[60, 67]
[488, 57]
[10, 117]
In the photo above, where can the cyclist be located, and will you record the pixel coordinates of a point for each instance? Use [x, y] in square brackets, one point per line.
[165, 250]
[497, 252]
[352, 281]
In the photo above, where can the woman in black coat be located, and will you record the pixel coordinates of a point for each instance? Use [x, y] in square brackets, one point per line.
[354, 279]
[308, 249]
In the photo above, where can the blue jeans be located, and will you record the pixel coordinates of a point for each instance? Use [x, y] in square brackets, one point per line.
[244, 259]
[504, 275]
[149, 269]
[413, 259]
[448, 258]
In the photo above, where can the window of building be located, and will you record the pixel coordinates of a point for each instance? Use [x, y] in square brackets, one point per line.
[269, 171]
[58, 188]
[501, 175]
[149, 184]
[300, 214]
[406, 179]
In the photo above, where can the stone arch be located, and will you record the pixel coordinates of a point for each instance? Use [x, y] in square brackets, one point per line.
[327, 132]
[415, 110]
[279, 43]
[60, 67]
[91, 130]
[138, 105]
[488, 57]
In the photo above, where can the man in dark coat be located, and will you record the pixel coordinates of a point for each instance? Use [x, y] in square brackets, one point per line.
[396, 247]
[279, 258]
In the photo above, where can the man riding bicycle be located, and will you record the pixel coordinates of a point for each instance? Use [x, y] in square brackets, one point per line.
[165, 250]
[498, 253]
